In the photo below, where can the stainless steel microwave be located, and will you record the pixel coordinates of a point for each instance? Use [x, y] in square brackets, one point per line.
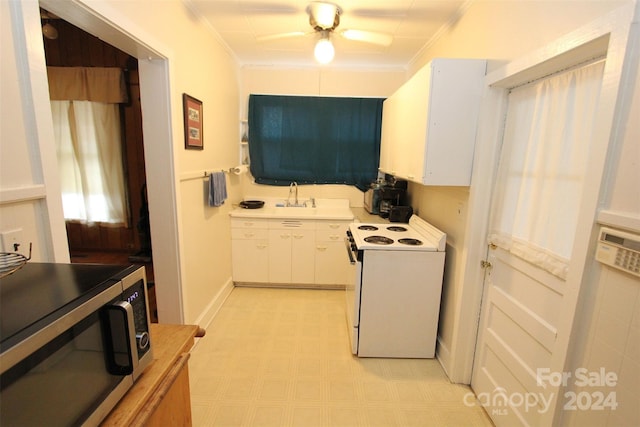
[73, 340]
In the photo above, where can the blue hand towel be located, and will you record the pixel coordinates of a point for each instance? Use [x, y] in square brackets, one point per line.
[217, 189]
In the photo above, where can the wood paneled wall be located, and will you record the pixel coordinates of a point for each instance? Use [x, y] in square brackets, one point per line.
[76, 48]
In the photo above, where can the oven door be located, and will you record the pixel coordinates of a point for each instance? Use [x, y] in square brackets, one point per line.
[353, 295]
[74, 378]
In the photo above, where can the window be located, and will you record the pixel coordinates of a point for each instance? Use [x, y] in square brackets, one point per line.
[314, 140]
[86, 120]
[543, 163]
[90, 161]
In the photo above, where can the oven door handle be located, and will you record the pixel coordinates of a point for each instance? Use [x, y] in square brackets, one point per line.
[347, 244]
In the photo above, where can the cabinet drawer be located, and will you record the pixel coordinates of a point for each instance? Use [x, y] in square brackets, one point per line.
[249, 223]
[249, 234]
[330, 235]
[339, 227]
[288, 224]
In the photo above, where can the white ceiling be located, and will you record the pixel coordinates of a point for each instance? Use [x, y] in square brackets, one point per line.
[412, 23]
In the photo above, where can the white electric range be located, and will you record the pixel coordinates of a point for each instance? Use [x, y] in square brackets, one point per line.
[417, 235]
[393, 301]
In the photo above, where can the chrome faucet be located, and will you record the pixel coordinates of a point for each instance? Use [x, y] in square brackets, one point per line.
[292, 186]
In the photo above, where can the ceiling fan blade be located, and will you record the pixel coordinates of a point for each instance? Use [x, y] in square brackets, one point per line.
[279, 36]
[367, 37]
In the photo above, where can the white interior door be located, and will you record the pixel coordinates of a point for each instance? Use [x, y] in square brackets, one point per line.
[534, 218]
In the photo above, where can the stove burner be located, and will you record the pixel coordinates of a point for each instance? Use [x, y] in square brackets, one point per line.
[396, 228]
[413, 242]
[368, 227]
[378, 240]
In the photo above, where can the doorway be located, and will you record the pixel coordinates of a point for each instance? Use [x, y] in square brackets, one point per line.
[530, 301]
[69, 46]
[105, 22]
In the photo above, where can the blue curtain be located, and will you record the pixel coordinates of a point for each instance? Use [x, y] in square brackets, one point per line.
[314, 140]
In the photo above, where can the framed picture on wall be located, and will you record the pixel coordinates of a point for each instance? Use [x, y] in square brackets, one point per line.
[192, 122]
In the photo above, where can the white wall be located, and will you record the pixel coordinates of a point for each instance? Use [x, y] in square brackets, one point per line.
[319, 81]
[28, 197]
[499, 31]
[609, 313]
[624, 198]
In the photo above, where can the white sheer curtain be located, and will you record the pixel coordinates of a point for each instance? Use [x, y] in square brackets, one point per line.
[543, 162]
[90, 161]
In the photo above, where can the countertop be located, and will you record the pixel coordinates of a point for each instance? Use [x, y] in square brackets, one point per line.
[326, 209]
[361, 215]
[358, 214]
[170, 342]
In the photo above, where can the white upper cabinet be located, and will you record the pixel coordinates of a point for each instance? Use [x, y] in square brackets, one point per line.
[429, 124]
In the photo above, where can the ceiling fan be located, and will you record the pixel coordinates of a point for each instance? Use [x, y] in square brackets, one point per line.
[324, 18]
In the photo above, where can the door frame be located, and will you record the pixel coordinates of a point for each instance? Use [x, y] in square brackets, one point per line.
[610, 33]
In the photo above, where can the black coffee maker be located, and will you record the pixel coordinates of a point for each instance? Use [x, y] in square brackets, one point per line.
[393, 193]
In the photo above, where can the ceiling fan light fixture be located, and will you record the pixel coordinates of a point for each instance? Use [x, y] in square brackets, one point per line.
[49, 31]
[324, 50]
[323, 13]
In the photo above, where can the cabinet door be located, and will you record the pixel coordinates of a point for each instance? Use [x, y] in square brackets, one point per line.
[410, 118]
[429, 123]
[455, 91]
[416, 111]
[387, 134]
[280, 256]
[303, 256]
[331, 258]
[250, 260]
[332, 264]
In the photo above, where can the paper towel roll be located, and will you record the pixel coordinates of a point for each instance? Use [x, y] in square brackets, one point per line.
[239, 169]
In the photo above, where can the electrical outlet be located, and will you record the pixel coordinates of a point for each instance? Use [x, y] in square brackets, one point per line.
[12, 241]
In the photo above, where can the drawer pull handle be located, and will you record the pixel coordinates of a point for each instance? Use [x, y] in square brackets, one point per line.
[334, 226]
[334, 237]
[249, 235]
[321, 248]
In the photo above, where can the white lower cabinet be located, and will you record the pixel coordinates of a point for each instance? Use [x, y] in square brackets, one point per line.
[291, 258]
[250, 252]
[279, 256]
[331, 265]
[302, 257]
[289, 252]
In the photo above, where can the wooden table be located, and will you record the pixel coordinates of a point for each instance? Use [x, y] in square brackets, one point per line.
[160, 397]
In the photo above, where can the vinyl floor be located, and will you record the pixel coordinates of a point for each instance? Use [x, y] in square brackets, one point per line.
[281, 357]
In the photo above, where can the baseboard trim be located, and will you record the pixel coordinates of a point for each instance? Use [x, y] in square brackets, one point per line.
[289, 286]
[207, 316]
[444, 356]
